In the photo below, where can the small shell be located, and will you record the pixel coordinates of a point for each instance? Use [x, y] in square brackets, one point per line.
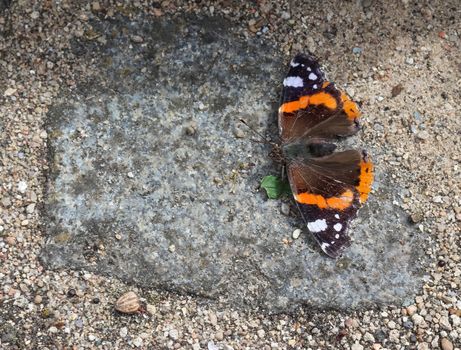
[128, 303]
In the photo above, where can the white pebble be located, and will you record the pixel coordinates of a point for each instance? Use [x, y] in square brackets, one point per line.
[356, 346]
[123, 332]
[9, 92]
[296, 233]
[174, 334]
[137, 342]
[22, 186]
[417, 319]
[30, 208]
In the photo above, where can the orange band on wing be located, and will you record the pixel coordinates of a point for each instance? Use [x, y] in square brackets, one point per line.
[365, 180]
[342, 202]
[320, 98]
[293, 106]
[349, 107]
[323, 98]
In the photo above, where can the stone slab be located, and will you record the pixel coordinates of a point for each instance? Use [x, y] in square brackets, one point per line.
[149, 183]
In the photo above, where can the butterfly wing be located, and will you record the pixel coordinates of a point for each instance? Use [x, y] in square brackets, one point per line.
[313, 107]
[329, 191]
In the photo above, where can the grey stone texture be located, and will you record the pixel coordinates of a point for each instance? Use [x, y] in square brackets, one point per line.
[151, 180]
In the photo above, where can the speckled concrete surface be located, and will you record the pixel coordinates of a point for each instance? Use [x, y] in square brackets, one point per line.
[401, 62]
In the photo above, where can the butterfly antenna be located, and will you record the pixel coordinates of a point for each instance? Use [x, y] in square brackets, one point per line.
[263, 138]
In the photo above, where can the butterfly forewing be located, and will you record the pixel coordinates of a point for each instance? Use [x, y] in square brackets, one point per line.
[313, 107]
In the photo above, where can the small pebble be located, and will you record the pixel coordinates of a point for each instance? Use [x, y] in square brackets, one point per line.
[285, 209]
[22, 186]
[261, 333]
[30, 208]
[446, 344]
[173, 334]
[351, 323]
[10, 240]
[9, 92]
[445, 323]
[239, 133]
[396, 90]
[422, 135]
[408, 325]
[296, 233]
[96, 6]
[190, 130]
[368, 337]
[285, 15]
[416, 218]
[6, 202]
[137, 39]
[151, 309]
[213, 319]
[123, 332]
[417, 319]
[137, 342]
[219, 335]
[411, 310]
[394, 336]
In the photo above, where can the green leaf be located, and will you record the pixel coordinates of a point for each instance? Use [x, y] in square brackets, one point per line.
[275, 187]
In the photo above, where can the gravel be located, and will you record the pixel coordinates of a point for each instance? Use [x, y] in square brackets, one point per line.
[37, 63]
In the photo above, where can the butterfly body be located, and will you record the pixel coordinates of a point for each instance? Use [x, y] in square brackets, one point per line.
[329, 187]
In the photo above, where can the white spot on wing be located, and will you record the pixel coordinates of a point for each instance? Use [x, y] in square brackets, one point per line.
[336, 236]
[294, 64]
[337, 216]
[315, 86]
[324, 246]
[312, 76]
[317, 225]
[338, 227]
[308, 69]
[293, 82]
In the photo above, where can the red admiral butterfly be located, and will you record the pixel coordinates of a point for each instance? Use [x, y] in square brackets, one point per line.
[329, 187]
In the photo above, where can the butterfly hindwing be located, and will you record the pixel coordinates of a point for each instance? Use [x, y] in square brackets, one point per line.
[329, 227]
[329, 191]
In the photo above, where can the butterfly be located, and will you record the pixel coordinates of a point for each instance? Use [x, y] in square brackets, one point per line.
[328, 187]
